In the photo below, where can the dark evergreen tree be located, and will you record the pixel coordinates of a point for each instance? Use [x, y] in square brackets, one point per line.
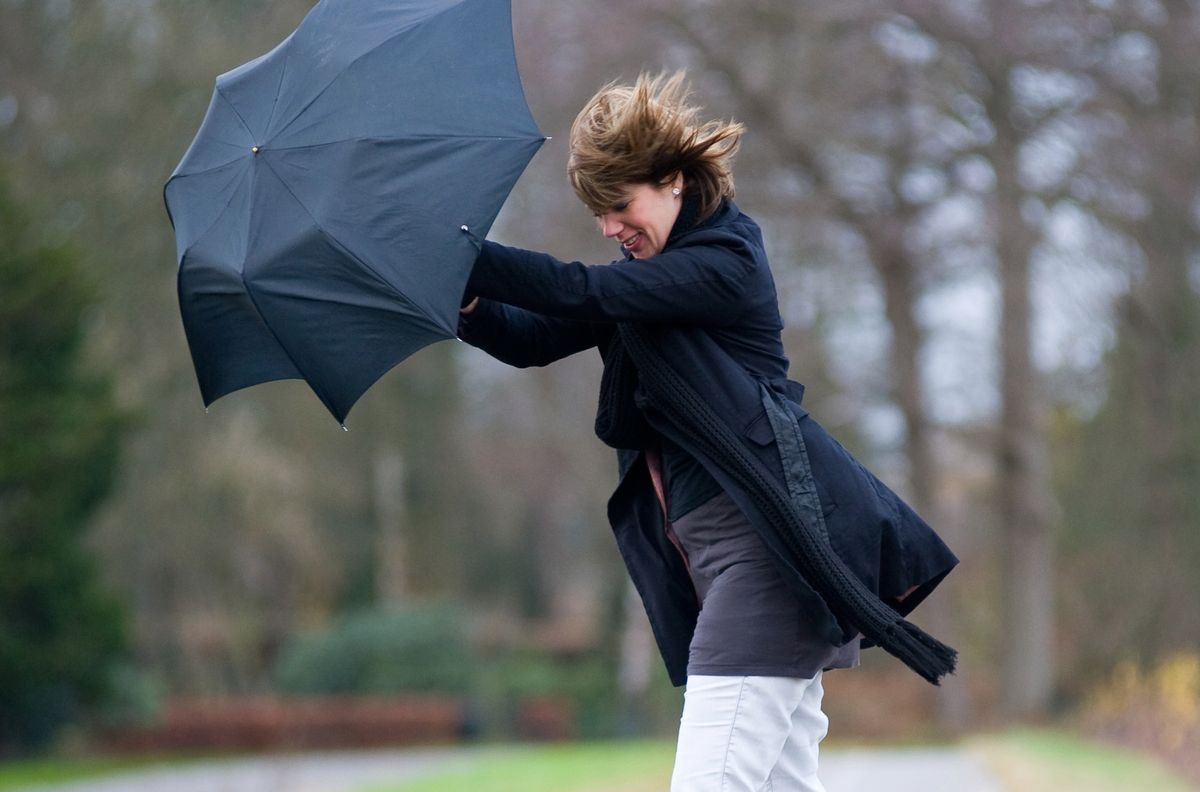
[59, 633]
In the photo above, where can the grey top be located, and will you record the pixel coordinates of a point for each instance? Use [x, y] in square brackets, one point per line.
[750, 622]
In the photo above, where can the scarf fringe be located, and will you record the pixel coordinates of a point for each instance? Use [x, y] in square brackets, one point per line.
[920, 651]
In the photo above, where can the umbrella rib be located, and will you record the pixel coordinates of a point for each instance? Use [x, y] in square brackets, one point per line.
[233, 107]
[405, 137]
[278, 341]
[357, 140]
[333, 239]
[287, 59]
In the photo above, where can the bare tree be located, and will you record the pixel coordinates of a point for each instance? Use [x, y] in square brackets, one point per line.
[1143, 162]
[991, 43]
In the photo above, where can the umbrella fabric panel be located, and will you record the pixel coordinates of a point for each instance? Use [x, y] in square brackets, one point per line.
[225, 133]
[252, 89]
[339, 322]
[432, 94]
[211, 199]
[231, 346]
[333, 36]
[243, 328]
[399, 207]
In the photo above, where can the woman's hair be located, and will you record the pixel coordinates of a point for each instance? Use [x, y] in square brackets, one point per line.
[646, 133]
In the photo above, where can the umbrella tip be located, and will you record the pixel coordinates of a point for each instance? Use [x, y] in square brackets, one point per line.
[345, 428]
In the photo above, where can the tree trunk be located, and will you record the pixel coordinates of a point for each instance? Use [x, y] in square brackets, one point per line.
[391, 578]
[1026, 539]
[1167, 330]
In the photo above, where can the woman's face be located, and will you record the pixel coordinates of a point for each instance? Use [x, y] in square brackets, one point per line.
[642, 220]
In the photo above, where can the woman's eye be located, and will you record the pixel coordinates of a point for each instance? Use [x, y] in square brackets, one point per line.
[621, 207]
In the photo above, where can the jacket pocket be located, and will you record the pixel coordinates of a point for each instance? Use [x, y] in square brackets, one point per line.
[759, 432]
[758, 429]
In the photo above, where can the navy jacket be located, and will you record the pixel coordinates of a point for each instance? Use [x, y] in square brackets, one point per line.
[710, 301]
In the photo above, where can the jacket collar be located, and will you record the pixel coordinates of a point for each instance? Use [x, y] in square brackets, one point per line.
[689, 217]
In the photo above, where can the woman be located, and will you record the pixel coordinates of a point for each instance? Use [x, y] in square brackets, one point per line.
[762, 551]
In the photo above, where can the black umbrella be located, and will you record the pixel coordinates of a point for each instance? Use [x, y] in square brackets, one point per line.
[330, 208]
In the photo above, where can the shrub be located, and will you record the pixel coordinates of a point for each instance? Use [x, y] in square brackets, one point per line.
[586, 687]
[408, 650]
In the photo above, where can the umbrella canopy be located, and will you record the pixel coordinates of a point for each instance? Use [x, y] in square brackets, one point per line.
[331, 206]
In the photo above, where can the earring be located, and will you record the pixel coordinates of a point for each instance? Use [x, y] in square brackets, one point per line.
[675, 191]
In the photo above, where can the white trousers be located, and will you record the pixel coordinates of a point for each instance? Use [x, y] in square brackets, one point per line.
[749, 734]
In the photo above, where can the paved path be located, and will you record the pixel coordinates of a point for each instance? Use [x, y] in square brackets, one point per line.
[843, 770]
[906, 770]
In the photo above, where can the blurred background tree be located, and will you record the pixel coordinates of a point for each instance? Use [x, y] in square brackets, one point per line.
[61, 634]
[984, 222]
[1129, 469]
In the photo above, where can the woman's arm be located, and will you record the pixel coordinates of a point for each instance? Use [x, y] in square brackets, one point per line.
[523, 338]
[700, 283]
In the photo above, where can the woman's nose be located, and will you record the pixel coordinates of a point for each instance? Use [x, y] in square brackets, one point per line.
[609, 226]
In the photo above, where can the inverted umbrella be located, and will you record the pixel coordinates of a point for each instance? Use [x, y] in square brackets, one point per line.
[331, 206]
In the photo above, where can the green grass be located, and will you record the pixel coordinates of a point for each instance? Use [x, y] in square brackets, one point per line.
[1030, 760]
[582, 767]
[1041, 760]
[28, 772]
[1025, 760]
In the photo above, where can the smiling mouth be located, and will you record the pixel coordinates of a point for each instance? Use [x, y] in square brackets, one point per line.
[631, 241]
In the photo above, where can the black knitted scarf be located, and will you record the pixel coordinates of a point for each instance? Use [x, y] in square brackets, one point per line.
[632, 359]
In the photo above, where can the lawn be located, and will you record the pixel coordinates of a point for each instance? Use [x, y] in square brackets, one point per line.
[1041, 760]
[1023, 760]
[576, 767]
[28, 772]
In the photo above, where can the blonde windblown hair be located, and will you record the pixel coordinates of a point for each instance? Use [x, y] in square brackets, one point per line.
[646, 133]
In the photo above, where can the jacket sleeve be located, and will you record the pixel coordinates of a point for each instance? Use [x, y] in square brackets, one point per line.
[699, 283]
[523, 338]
